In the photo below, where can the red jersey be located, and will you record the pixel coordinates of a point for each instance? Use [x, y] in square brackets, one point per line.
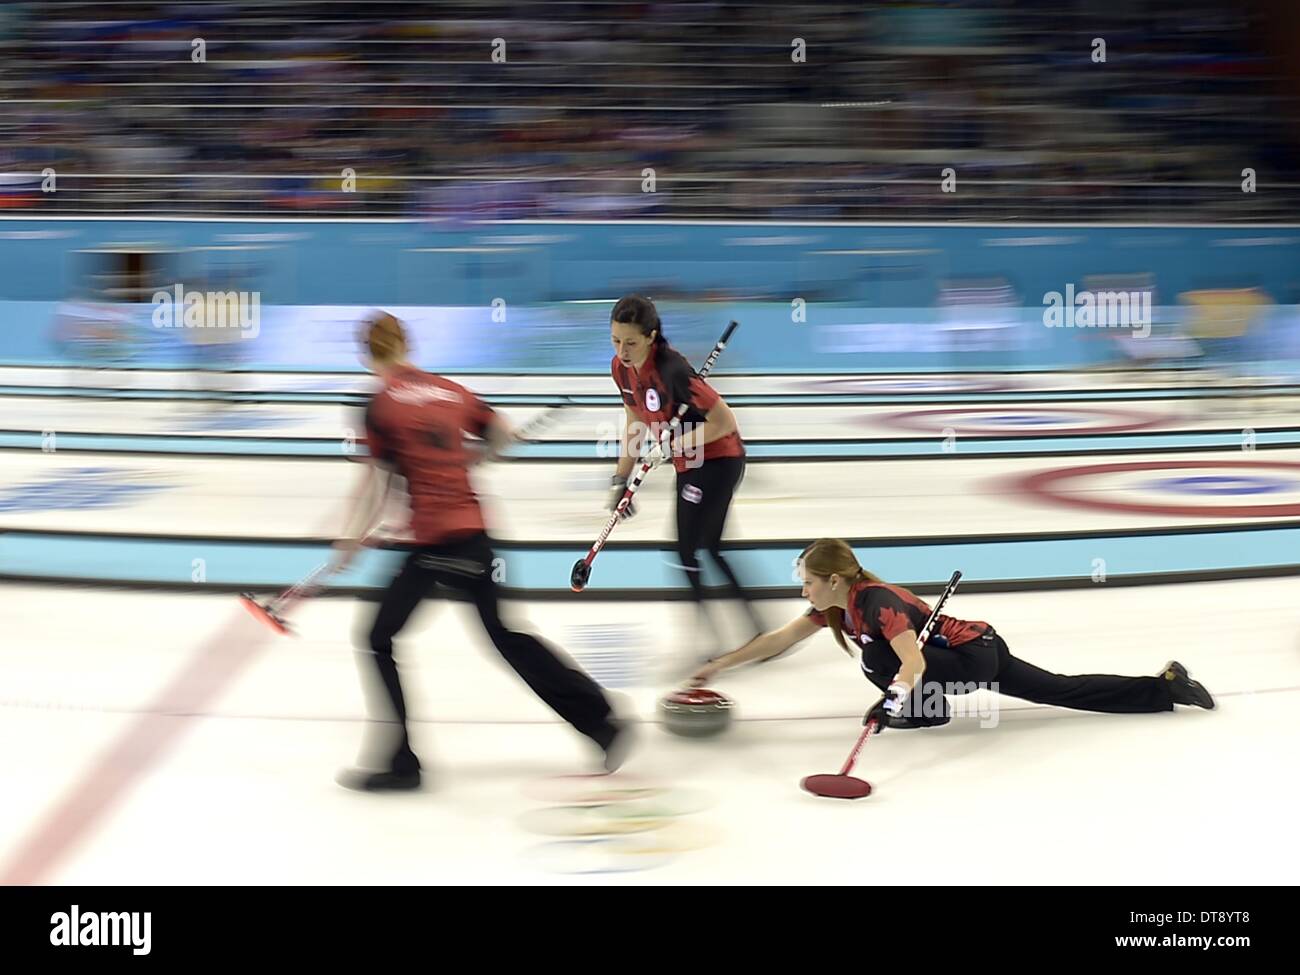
[652, 400]
[879, 611]
[417, 424]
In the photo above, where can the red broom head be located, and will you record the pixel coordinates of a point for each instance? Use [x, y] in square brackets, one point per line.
[262, 613]
[837, 786]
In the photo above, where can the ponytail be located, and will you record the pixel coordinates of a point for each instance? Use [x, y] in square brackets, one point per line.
[671, 365]
[384, 338]
[833, 556]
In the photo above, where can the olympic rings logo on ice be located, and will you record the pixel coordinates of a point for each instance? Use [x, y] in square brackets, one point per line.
[613, 826]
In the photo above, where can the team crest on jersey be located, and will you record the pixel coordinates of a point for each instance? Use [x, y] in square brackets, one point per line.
[652, 400]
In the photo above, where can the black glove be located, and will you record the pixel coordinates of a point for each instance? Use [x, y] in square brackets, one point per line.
[878, 714]
[890, 703]
[617, 488]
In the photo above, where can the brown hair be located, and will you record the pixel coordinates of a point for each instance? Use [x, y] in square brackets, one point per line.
[639, 311]
[671, 365]
[833, 556]
[384, 338]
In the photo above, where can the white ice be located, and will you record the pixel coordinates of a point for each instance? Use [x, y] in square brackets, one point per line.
[241, 790]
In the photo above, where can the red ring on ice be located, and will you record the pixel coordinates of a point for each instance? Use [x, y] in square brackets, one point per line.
[919, 385]
[1129, 420]
[1048, 486]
